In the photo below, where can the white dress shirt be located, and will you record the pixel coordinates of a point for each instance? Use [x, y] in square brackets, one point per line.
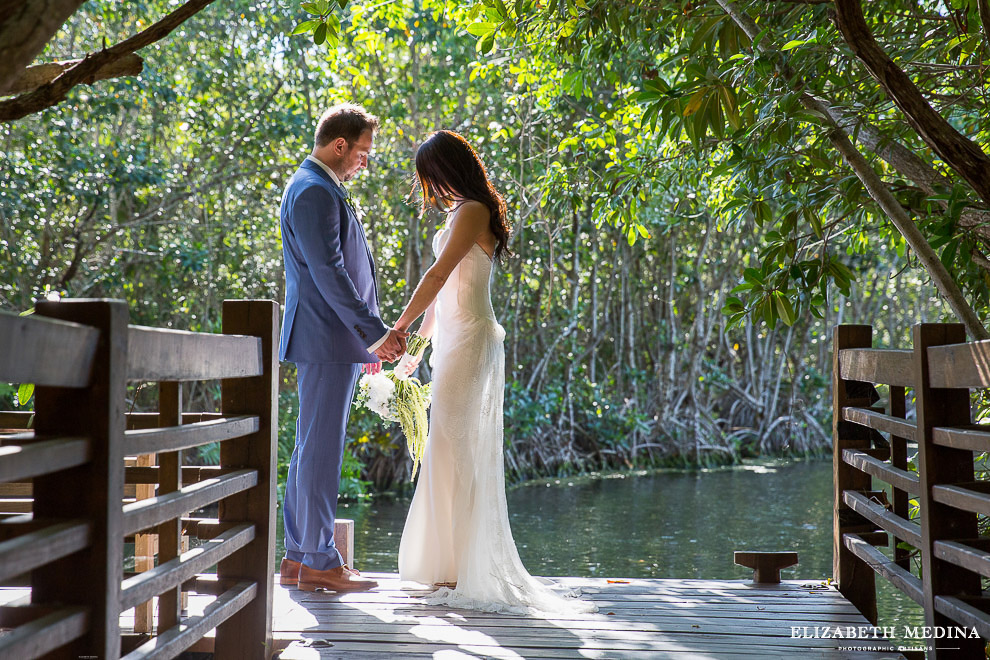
[333, 175]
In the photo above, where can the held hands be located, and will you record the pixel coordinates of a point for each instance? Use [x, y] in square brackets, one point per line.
[393, 347]
[372, 368]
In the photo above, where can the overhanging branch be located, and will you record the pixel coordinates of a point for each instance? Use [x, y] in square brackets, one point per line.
[25, 27]
[55, 92]
[874, 185]
[959, 152]
[35, 76]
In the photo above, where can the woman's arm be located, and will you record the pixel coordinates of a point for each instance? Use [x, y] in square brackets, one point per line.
[470, 221]
[429, 321]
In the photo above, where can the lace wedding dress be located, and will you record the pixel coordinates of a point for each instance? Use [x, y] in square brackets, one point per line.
[457, 529]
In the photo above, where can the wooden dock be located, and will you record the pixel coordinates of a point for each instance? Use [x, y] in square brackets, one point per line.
[680, 619]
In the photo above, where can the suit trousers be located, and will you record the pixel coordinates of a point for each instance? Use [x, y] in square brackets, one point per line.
[325, 394]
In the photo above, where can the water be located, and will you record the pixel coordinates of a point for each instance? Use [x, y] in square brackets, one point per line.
[657, 525]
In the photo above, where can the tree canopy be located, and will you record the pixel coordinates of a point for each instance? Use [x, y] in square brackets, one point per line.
[699, 191]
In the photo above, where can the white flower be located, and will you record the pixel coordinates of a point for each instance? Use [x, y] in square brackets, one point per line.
[379, 391]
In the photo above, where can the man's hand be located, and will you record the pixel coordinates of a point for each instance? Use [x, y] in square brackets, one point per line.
[393, 347]
[371, 368]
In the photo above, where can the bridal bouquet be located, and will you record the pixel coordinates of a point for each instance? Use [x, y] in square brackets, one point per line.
[395, 397]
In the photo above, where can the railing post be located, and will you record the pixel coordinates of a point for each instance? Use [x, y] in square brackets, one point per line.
[93, 491]
[248, 634]
[942, 465]
[856, 579]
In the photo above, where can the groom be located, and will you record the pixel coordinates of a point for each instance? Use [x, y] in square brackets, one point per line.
[332, 331]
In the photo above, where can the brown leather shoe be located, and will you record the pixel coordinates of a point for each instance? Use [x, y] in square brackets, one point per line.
[288, 572]
[335, 579]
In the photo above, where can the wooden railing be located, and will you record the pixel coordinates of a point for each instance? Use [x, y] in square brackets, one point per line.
[81, 495]
[940, 370]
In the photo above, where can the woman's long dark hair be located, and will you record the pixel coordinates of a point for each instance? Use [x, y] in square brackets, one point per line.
[448, 169]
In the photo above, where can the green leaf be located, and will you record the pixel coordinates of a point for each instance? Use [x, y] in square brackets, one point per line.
[312, 8]
[793, 43]
[695, 101]
[24, 394]
[320, 35]
[568, 28]
[573, 83]
[481, 29]
[486, 43]
[784, 308]
[307, 26]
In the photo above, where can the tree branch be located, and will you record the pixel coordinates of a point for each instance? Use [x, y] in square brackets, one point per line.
[871, 181]
[56, 91]
[34, 77]
[984, 7]
[959, 152]
[25, 27]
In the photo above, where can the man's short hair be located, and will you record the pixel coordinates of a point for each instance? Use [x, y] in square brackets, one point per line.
[346, 121]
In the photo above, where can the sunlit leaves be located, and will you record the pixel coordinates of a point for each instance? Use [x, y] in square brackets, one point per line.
[325, 28]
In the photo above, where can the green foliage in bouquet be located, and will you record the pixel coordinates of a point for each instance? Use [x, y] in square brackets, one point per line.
[402, 400]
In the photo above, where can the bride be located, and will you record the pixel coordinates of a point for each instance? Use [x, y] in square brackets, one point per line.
[457, 535]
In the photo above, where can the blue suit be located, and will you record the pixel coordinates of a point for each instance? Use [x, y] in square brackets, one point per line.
[331, 317]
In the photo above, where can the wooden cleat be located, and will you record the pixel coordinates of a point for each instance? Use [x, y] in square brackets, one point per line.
[766, 565]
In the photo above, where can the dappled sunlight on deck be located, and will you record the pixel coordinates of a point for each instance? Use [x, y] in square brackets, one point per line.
[637, 618]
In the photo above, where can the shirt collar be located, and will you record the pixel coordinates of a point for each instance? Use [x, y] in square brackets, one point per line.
[326, 168]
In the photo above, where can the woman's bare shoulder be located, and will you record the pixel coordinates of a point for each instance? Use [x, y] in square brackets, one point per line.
[471, 214]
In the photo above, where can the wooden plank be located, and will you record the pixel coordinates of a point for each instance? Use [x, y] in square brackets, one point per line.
[964, 614]
[959, 365]
[876, 365]
[190, 474]
[149, 420]
[173, 641]
[145, 514]
[93, 491]
[565, 639]
[45, 634]
[881, 517]
[250, 630]
[40, 547]
[898, 458]
[46, 351]
[41, 456]
[170, 482]
[16, 419]
[174, 572]
[144, 549]
[758, 626]
[174, 438]
[156, 354]
[966, 497]
[897, 576]
[902, 479]
[428, 650]
[939, 407]
[626, 608]
[856, 581]
[880, 422]
[970, 439]
[964, 555]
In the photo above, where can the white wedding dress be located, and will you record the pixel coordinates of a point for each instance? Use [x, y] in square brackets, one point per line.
[457, 529]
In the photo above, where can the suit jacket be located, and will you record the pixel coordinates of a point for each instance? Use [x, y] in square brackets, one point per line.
[331, 296]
